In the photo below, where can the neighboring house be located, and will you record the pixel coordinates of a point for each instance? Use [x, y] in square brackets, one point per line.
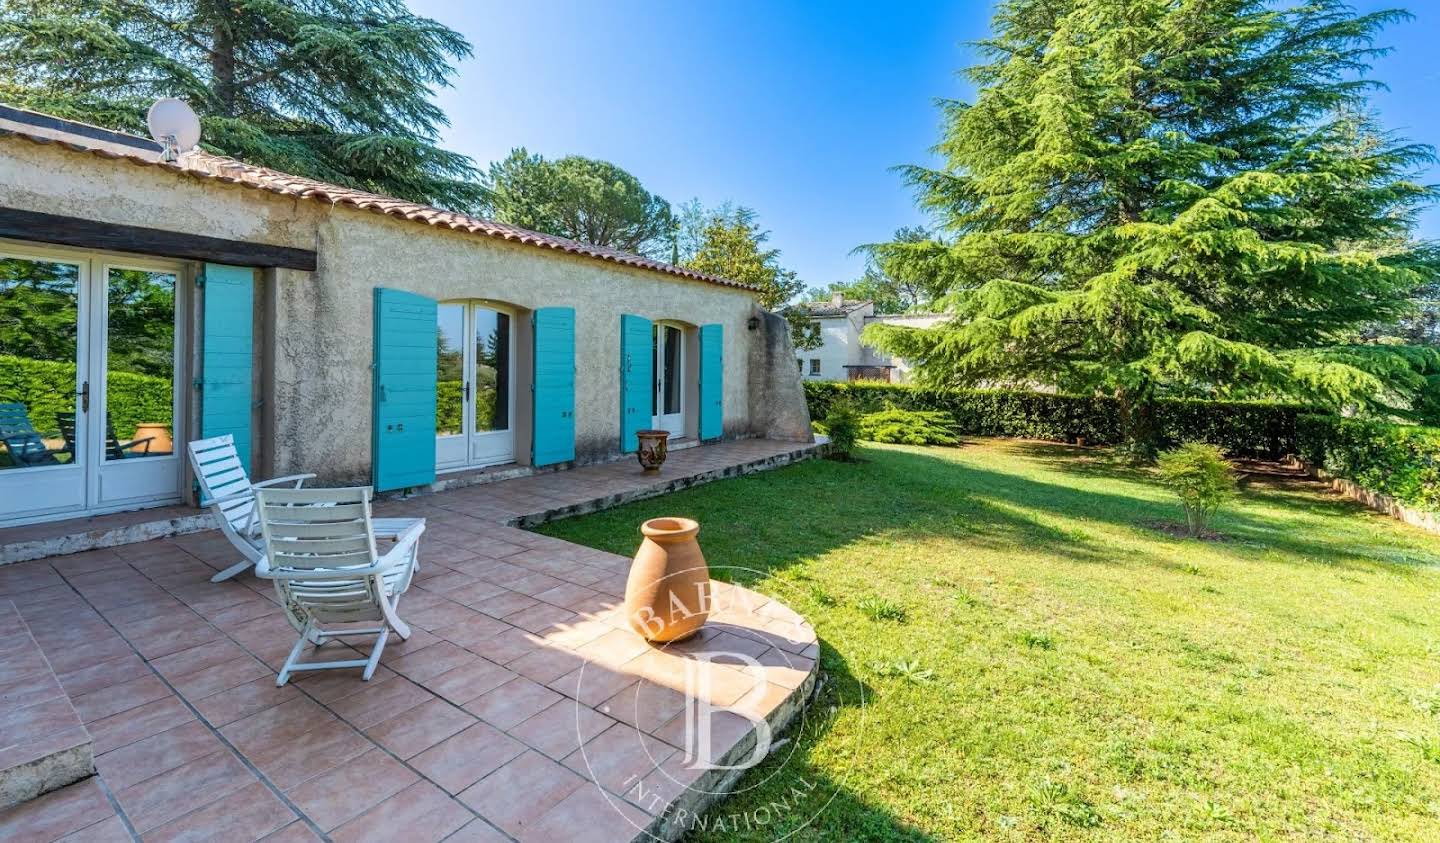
[901, 370]
[364, 338]
[842, 354]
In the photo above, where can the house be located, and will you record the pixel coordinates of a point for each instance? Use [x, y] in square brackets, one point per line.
[843, 355]
[364, 338]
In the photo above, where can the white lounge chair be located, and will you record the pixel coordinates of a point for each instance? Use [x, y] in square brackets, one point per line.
[320, 551]
[227, 490]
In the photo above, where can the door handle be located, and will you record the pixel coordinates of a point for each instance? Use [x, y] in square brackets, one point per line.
[84, 394]
[467, 392]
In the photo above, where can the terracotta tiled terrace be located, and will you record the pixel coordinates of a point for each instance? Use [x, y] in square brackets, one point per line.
[522, 707]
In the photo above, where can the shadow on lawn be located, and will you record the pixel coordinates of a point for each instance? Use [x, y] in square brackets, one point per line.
[764, 523]
[793, 795]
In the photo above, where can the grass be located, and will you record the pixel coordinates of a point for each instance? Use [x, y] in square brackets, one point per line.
[1011, 650]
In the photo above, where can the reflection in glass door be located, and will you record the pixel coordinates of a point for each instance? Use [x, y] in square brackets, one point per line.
[42, 366]
[136, 407]
[87, 385]
[475, 386]
[667, 406]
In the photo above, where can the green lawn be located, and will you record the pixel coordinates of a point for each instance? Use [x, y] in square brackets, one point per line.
[1063, 670]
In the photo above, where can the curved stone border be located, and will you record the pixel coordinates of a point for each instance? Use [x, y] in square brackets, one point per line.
[714, 786]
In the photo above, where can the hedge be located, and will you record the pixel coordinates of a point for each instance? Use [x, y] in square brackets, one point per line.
[47, 387]
[1243, 429]
[1402, 461]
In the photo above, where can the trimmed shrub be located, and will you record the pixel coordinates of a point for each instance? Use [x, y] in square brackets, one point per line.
[1402, 461]
[909, 427]
[842, 425]
[1201, 478]
[1243, 429]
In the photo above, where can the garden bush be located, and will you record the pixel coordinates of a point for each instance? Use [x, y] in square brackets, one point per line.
[1199, 475]
[1402, 461]
[1243, 429]
[909, 427]
[842, 425]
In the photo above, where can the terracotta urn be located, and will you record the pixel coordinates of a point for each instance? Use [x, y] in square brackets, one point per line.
[653, 445]
[667, 597]
[161, 443]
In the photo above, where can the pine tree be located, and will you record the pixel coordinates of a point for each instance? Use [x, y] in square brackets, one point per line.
[732, 245]
[338, 90]
[1175, 197]
[584, 199]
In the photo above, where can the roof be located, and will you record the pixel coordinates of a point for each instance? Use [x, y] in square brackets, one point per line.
[828, 309]
[218, 168]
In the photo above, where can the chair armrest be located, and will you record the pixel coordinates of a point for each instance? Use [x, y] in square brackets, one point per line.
[238, 496]
[403, 544]
[297, 479]
[135, 442]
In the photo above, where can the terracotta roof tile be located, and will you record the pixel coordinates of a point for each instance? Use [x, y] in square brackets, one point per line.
[204, 165]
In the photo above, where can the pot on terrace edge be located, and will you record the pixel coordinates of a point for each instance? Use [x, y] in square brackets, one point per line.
[652, 450]
[667, 596]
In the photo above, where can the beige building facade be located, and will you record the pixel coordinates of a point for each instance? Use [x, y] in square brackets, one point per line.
[107, 206]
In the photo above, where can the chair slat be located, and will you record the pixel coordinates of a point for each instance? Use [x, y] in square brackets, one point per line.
[299, 547]
[313, 514]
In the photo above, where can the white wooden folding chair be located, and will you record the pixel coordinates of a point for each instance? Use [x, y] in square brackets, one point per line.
[227, 490]
[320, 551]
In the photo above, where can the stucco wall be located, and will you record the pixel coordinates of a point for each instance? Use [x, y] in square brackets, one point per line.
[316, 396]
[322, 363]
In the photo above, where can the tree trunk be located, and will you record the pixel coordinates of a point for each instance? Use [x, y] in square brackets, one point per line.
[1138, 424]
[222, 69]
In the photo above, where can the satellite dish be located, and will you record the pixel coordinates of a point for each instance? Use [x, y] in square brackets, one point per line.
[174, 125]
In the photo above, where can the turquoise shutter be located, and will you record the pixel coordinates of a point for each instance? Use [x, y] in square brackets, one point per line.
[554, 387]
[402, 440]
[226, 355]
[637, 378]
[712, 381]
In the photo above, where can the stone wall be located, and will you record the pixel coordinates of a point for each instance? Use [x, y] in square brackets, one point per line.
[777, 395]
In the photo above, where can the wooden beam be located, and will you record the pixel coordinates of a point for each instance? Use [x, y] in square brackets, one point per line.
[91, 234]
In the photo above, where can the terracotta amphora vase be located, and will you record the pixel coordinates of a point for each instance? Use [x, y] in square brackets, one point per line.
[667, 597]
[653, 445]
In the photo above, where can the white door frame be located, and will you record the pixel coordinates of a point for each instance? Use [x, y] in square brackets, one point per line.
[673, 422]
[88, 486]
[471, 448]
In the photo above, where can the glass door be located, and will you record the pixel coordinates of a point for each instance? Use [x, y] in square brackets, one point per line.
[475, 386]
[88, 398]
[135, 406]
[43, 378]
[668, 405]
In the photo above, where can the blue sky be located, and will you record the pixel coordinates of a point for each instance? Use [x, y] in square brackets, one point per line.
[798, 110]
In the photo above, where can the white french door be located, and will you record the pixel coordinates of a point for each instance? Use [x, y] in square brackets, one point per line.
[475, 385]
[89, 404]
[667, 406]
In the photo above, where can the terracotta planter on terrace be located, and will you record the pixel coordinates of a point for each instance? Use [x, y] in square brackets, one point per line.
[653, 446]
[667, 597]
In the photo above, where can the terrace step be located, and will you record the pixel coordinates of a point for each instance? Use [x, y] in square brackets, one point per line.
[43, 744]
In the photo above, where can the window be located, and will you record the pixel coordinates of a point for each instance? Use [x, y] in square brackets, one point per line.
[814, 365]
[800, 365]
